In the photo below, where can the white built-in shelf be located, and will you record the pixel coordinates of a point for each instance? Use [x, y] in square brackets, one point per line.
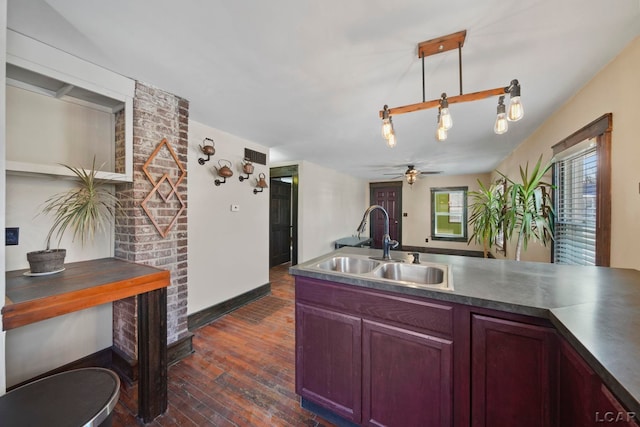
[83, 89]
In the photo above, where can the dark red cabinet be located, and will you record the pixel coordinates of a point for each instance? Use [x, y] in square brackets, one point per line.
[583, 400]
[367, 356]
[382, 359]
[407, 377]
[512, 372]
[329, 354]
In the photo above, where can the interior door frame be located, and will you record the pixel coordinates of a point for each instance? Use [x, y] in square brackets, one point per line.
[372, 187]
[292, 171]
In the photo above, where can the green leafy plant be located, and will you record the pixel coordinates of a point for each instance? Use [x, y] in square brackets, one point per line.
[487, 213]
[87, 208]
[529, 210]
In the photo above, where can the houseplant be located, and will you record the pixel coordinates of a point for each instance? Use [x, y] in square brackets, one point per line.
[529, 207]
[487, 213]
[86, 209]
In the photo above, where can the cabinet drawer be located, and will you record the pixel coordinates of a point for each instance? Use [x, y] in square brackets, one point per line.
[420, 313]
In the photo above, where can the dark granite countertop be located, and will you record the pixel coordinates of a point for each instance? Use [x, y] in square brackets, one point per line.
[596, 309]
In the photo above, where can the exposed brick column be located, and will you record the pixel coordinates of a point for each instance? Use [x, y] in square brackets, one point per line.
[156, 115]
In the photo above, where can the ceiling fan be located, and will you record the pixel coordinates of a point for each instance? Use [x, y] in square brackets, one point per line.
[411, 174]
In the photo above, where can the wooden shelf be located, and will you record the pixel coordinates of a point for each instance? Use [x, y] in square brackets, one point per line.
[82, 285]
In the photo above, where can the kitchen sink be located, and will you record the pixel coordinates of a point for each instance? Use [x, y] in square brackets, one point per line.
[418, 274]
[396, 271]
[349, 265]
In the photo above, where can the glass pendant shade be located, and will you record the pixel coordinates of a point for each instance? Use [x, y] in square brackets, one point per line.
[501, 125]
[391, 141]
[441, 134]
[516, 111]
[446, 121]
[387, 128]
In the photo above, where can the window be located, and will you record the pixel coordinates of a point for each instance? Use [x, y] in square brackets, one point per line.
[501, 189]
[575, 204]
[449, 214]
[582, 196]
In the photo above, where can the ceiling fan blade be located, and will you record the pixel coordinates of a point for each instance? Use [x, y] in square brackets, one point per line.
[430, 172]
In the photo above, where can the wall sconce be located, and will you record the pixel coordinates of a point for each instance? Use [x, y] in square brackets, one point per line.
[224, 172]
[208, 149]
[261, 184]
[247, 168]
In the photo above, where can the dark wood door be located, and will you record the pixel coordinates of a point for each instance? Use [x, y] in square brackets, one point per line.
[328, 360]
[407, 377]
[512, 373]
[389, 196]
[280, 221]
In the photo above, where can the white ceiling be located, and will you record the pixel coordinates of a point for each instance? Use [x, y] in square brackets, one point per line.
[308, 77]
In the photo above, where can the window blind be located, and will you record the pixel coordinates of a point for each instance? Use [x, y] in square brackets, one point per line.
[575, 203]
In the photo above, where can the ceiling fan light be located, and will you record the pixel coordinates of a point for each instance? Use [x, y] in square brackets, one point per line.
[411, 178]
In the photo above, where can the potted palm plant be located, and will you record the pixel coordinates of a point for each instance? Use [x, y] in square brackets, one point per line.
[487, 213]
[86, 209]
[529, 208]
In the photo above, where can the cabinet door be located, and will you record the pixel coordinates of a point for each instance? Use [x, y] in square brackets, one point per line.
[609, 411]
[328, 360]
[511, 373]
[407, 377]
[576, 387]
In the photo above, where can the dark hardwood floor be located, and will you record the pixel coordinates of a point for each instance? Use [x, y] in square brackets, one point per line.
[242, 372]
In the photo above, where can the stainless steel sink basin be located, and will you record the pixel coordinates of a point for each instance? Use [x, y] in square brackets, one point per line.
[418, 274]
[349, 265]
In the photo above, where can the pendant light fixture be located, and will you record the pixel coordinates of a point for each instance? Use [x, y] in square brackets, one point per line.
[501, 125]
[441, 131]
[388, 132]
[445, 122]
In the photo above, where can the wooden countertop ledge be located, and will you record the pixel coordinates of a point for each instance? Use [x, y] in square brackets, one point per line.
[81, 285]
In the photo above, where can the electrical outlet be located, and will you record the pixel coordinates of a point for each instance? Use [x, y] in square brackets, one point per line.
[426, 240]
[11, 236]
[235, 208]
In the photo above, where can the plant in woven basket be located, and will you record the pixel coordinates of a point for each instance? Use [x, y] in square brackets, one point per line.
[87, 209]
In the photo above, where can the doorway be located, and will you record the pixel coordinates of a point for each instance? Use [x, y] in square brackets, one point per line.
[283, 215]
[389, 196]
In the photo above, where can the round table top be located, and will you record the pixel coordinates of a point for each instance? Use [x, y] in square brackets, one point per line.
[82, 397]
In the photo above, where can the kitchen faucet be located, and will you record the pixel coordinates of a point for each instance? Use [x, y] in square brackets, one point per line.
[387, 243]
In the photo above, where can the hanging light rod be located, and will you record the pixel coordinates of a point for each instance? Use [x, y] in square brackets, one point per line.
[434, 47]
[452, 100]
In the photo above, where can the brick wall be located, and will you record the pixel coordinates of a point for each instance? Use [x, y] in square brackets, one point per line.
[157, 115]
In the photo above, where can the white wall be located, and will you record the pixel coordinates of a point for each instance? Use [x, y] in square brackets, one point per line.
[3, 31]
[228, 251]
[330, 206]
